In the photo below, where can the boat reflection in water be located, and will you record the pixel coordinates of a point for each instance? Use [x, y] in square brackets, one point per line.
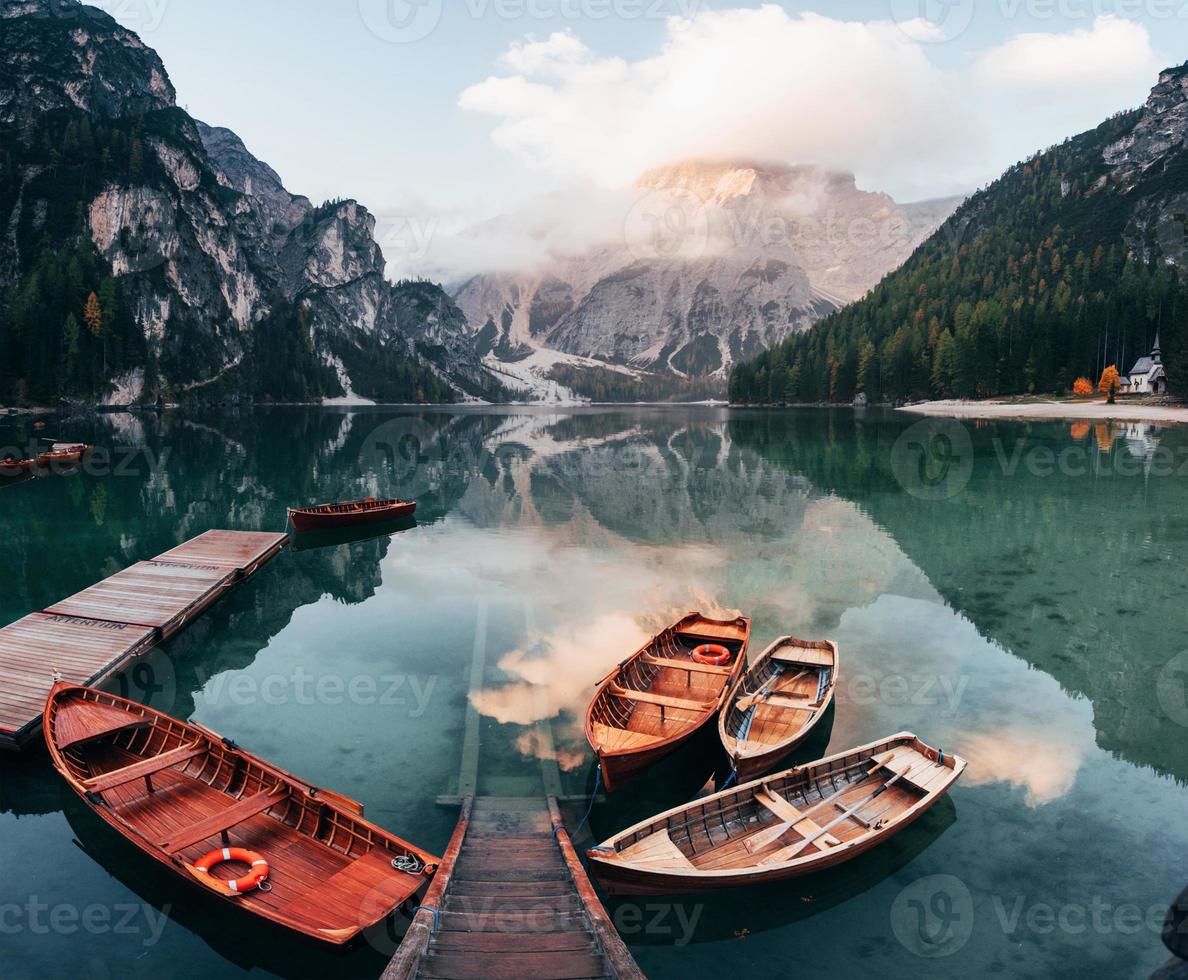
[333, 537]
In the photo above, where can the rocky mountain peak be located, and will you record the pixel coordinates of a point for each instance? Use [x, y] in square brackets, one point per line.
[1161, 130]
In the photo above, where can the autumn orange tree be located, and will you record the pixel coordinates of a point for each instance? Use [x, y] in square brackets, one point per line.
[1109, 380]
[1083, 386]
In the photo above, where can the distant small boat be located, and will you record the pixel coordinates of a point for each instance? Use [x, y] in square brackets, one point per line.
[803, 820]
[776, 704]
[664, 693]
[11, 466]
[64, 454]
[299, 856]
[348, 513]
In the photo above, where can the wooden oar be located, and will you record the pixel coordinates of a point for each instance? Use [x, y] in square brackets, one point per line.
[765, 837]
[747, 703]
[788, 853]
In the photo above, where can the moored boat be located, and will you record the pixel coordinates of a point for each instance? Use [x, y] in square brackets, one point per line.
[664, 693]
[349, 513]
[63, 454]
[777, 703]
[12, 466]
[238, 827]
[803, 820]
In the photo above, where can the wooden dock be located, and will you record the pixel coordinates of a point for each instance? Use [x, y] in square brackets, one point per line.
[94, 634]
[511, 900]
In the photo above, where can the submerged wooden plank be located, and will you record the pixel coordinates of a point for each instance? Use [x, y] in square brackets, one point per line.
[150, 593]
[243, 550]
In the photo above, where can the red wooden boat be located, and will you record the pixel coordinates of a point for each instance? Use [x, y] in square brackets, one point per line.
[11, 466]
[63, 454]
[349, 513]
[300, 856]
[664, 694]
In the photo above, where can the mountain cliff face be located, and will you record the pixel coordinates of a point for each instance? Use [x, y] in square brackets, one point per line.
[145, 252]
[1072, 261]
[718, 261]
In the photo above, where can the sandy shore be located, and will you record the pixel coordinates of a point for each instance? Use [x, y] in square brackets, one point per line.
[1096, 410]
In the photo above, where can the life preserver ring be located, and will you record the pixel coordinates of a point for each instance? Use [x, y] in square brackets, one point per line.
[712, 655]
[253, 879]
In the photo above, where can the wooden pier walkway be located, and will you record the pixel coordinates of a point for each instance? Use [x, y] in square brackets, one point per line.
[511, 900]
[94, 634]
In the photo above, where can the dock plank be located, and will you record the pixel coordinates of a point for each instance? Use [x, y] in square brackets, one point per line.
[149, 593]
[242, 550]
[92, 635]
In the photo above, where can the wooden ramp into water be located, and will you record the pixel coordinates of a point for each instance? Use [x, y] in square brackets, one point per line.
[511, 900]
[94, 634]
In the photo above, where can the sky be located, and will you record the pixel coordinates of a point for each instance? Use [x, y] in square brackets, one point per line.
[437, 114]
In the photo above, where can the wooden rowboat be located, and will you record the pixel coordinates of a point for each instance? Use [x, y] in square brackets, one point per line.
[660, 697]
[63, 454]
[179, 791]
[349, 513]
[805, 819]
[774, 706]
[16, 467]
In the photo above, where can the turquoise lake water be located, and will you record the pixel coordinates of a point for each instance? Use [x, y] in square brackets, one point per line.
[1011, 592]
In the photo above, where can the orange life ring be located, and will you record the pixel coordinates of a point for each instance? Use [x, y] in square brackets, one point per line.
[253, 879]
[712, 655]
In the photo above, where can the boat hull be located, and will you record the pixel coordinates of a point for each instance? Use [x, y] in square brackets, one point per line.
[313, 520]
[659, 699]
[751, 765]
[309, 836]
[646, 860]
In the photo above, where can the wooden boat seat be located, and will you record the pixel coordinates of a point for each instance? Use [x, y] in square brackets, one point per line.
[674, 664]
[657, 850]
[611, 739]
[223, 821]
[923, 773]
[783, 701]
[646, 697]
[144, 768]
[804, 656]
[805, 826]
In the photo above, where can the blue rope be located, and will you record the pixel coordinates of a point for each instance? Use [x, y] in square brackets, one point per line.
[940, 758]
[556, 827]
[593, 797]
[730, 780]
[429, 908]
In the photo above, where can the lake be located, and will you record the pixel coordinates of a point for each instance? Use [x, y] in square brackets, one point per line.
[1011, 592]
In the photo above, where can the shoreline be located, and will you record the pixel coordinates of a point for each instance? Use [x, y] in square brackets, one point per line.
[1098, 411]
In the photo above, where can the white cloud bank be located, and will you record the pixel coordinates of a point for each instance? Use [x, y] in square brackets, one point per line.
[765, 84]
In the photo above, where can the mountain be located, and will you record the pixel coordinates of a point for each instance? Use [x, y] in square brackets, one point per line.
[1072, 261]
[146, 253]
[718, 261]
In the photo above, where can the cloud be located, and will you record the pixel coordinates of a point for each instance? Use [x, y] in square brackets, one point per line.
[1115, 54]
[749, 83]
